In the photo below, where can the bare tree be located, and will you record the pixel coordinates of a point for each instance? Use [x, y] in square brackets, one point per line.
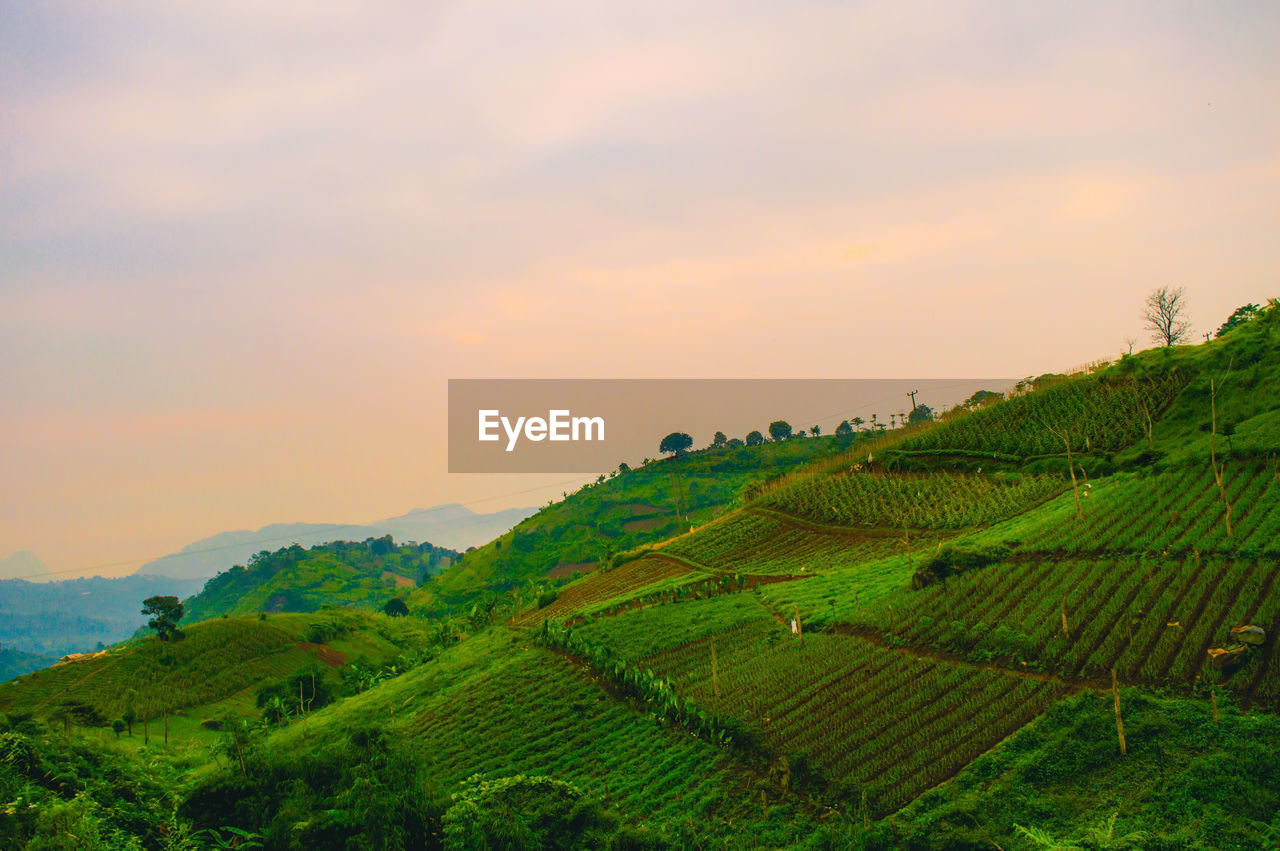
[1166, 316]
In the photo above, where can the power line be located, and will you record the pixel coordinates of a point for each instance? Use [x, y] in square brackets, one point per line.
[326, 531]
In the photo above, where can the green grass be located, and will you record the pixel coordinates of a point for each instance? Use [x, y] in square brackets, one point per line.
[623, 512]
[497, 706]
[217, 660]
[1186, 782]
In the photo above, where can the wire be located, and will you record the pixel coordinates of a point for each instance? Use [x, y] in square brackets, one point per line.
[328, 530]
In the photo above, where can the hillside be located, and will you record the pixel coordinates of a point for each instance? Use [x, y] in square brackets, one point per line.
[1048, 620]
[76, 615]
[449, 526]
[363, 574]
[214, 670]
[630, 508]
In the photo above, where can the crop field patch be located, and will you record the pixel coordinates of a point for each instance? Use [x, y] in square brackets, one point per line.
[915, 501]
[1098, 414]
[627, 580]
[1151, 619]
[1176, 510]
[871, 720]
[761, 543]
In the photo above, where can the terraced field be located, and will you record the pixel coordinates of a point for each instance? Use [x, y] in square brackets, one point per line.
[1180, 510]
[871, 720]
[915, 501]
[766, 543]
[503, 710]
[633, 579]
[1097, 413]
[1152, 619]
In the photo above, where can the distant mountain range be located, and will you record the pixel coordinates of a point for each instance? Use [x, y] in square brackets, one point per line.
[50, 619]
[452, 526]
[75, 615]
[21, 565]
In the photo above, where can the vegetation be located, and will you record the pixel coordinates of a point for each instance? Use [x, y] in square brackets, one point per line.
[366, 574]
[1043, 619]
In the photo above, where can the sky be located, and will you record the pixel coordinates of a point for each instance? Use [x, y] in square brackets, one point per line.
[243, 246]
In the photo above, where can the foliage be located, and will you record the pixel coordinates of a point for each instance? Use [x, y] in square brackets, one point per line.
[339, 573]
[165, 613]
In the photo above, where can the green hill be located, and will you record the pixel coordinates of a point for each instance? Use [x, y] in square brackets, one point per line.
[633, 507]
[342, 573]
[1046, 621]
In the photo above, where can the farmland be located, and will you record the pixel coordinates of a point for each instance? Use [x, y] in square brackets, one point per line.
[1096, 413]
[825, 700]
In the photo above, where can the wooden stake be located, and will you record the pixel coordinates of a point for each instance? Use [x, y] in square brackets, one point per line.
[1115, 691]
[799, 625]
[146, 737]
[866, 816]
[1213, 696]
[764, 805]
[166, 728]
[1065, 631]
[715, 674]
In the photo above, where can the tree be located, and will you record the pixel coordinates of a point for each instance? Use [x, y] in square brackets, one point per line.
[624, 468]
[1166, 316]
[755, 438]
[117, 727]
[982, 398]
[735, 442]
[844, 428]
[720, 439]
[395, 608]
[675, 444]
[858, 422]
[1239, 317]
[921, 414]
[780, 429]
[165, 613]
[816, 431]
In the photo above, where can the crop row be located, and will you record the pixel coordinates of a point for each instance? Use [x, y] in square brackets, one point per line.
[874, 720]
[626, 580]
[1098, 413]
[540, 714]
[928, 501]
[1180, 509]
[760, 544]
[1152, 619]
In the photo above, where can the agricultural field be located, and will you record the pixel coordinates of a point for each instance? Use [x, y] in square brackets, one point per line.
[1100, 413]
[617, 585]
[1177, 510]
[914, 501]
[1153, 619]
[868, 719]
[760, 542]
[500, 708]
[216, 660]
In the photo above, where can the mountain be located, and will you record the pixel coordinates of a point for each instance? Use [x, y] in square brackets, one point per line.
[23, 564]
[1046, 620]
[76, 615]
[453, 526]
[450, 526]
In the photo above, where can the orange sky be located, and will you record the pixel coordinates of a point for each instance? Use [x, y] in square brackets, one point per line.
[242, 249]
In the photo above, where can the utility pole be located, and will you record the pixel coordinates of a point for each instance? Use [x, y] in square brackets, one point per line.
[912, 394]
